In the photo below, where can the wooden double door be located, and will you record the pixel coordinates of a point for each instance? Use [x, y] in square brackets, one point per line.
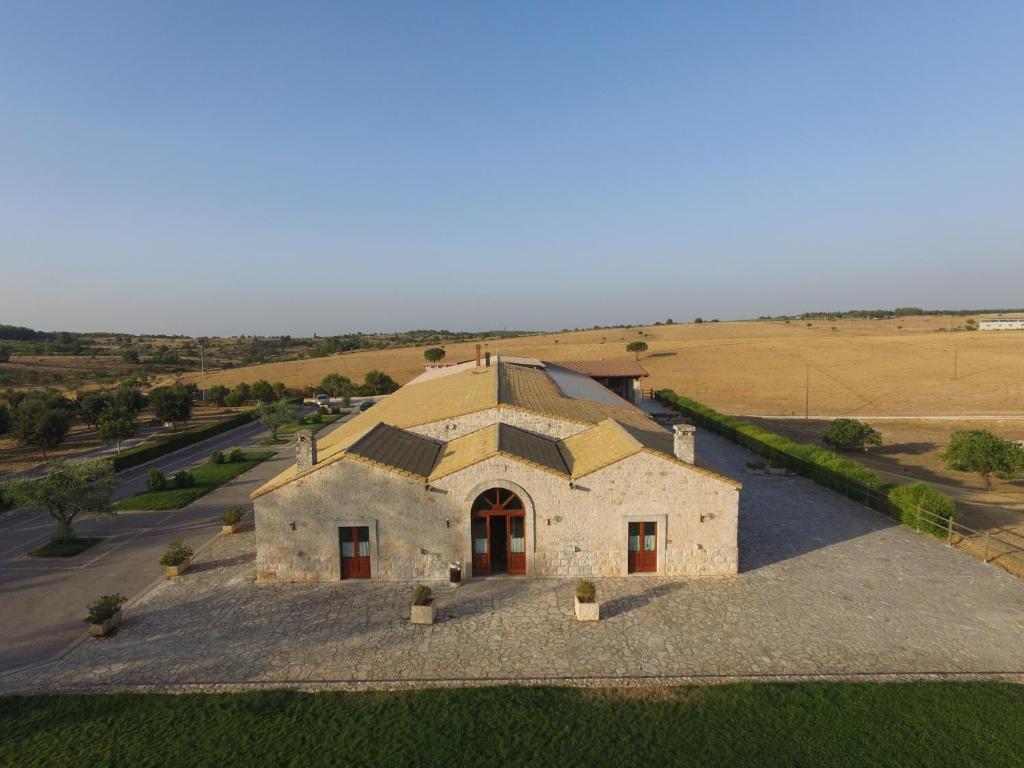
[498, 524]
[643, 547]
[355, 551]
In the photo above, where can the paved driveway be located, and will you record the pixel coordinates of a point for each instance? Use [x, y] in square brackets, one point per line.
[828, 587]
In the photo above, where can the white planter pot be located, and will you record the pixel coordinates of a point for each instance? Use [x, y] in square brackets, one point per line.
[230, 528]
[423, 614]
[176, 570]
[588, 611]
[99, 630]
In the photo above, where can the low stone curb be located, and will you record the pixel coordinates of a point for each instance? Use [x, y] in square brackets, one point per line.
[307, 686]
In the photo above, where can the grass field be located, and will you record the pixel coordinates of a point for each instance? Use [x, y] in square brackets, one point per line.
[800, 724]
[65, 547]
[903, 366]
[207, 476]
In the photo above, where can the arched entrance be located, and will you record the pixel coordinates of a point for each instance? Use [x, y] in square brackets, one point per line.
[498, 523]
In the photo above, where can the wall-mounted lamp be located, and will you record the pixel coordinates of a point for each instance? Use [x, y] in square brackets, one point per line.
[426, 487]
[549, 521]
[572, 486]
[292, 524]
[447, 523]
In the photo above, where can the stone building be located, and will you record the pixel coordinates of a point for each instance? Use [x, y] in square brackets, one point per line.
[513, 466]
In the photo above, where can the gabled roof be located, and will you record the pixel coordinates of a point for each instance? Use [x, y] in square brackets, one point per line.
[604, 369]
[382, 435]
[398, 449]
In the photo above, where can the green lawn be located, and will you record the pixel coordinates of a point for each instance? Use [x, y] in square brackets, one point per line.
[208, 476]
[65, 547]
[739, 725]
[325, 421]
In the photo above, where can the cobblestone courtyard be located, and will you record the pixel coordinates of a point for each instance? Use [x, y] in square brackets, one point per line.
[826, 587]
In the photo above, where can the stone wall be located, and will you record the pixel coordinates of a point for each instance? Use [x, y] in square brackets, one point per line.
[570, 531]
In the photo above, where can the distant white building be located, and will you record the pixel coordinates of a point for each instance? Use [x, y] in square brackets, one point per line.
[1015, 323]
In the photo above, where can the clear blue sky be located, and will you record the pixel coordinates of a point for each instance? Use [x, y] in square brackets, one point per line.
[222, 168]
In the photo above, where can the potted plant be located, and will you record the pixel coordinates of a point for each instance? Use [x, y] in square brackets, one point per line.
[755, 467]
[231, 519]
[423, 608]
[587, 607]
[105, 614]
[177, 558]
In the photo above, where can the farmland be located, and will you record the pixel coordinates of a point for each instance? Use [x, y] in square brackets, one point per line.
[899, 366]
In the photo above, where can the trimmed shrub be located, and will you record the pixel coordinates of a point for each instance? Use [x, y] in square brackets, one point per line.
[177, 553]
[936, 509]
[184, 479]
[586, 592]
[236, 455]
[217, 457]
[104, 608]
[851, 435]
[422, 595]
[142, 454]
[156, 480]
[315, 418]
[232, 515]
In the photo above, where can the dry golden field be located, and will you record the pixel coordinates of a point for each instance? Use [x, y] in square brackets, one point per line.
[903, 366]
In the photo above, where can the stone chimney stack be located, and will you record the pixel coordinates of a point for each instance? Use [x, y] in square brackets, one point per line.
[683, 445]
[477, 355]
[305, 449]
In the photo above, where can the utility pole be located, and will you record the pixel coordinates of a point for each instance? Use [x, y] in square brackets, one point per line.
[956, 361]
[807, 394]
[202, 371]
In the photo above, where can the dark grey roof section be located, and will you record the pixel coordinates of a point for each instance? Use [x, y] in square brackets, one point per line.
[397, 448]
[532, 447]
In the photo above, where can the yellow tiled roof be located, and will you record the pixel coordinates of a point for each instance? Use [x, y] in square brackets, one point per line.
[598, 447]
[622, 428]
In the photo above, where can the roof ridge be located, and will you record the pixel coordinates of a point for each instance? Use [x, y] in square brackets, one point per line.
[622, 430]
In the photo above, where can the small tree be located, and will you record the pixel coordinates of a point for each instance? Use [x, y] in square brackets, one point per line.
[171, 404]
[637, 347]
[5, 354]
[434, 354]
[976, 450]
[70, 490]
[91, 406]
[41, 420]
[699, 320]
[263, 391]
[129, 396]
[5, 419]
[851, 435]
[276, 415]
[336, 385]
[217, 393]
[117, 423]
[378, 383]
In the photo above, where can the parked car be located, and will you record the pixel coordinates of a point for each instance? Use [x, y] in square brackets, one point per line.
[365, 405]
[323, 400]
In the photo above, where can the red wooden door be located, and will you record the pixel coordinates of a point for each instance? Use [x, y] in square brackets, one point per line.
[481, 546]
[643, 548]
[355, 552]
[511, 544]
[516, 527]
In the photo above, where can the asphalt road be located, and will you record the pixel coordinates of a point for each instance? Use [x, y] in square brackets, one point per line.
[43, 601]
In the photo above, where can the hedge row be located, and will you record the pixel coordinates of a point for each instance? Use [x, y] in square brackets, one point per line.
[827, 468]
[144, 453]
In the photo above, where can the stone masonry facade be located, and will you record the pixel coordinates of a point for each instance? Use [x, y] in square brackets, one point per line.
[572, 529]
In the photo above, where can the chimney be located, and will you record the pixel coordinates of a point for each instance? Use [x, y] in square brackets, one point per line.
[477, 355]
[305, 449]
[683, 444]
[487, 359]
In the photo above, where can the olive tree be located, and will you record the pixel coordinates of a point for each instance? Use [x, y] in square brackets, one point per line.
[276, 415]
[980, 451]
[72, 489]
[637, 347]
[434, 354]
[851, 435]
[41, 420]
[171, 404]
[117, 423]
